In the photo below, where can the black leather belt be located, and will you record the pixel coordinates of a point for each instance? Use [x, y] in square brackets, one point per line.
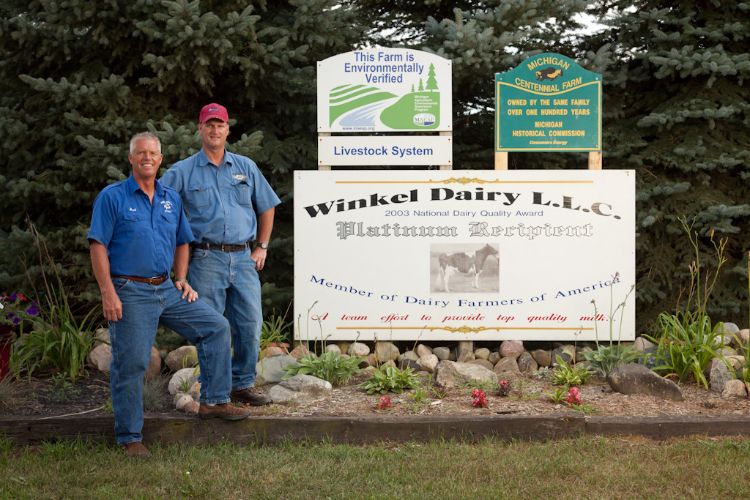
[224, 247]
[156, 280]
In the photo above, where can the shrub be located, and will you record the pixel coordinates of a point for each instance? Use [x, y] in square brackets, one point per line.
[569, 375]
[274, 330]
[391, 379]
[330, 366]
[608, 357]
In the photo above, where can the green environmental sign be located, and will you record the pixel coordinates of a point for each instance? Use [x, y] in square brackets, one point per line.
[548, 103]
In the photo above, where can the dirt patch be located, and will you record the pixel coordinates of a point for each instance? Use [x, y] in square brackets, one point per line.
[37, 398]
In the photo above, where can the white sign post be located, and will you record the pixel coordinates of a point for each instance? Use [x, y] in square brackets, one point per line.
[469, 255]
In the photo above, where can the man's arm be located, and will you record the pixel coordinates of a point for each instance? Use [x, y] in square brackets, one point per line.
[111, 304]
[181, 258]
[265, 226]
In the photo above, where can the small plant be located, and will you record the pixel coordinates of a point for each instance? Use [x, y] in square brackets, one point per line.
[558, 395]
[391, 379]
[478, 398]
[419, 395]
[543, 373]
[606, 358]
[687, 340]
[155, 394]
[330, 366]
[569, 375]
[384, 403]
[574, 396]
[274, 331]
[503, 388]
[62, 388]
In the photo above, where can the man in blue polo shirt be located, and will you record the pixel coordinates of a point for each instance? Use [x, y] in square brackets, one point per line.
[137, 230]
[230, 206]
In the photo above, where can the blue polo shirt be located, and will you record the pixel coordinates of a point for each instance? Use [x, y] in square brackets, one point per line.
[221, 201]
[140, 237]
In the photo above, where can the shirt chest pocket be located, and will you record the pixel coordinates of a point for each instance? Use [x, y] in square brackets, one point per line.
[133, 224]
[169, 218]
[242, 192]
[198, 196]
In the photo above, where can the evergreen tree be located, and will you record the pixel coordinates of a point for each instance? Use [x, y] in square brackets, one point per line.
[676, 102]
[431, 81]
[80, 77]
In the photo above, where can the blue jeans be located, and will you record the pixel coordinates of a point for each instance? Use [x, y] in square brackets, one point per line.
[144, 306]
[229, 282]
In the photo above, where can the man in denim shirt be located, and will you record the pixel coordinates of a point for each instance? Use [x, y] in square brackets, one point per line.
[230, 207]
[138, 233]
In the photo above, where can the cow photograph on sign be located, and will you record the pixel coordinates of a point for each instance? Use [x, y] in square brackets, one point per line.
[464, 268]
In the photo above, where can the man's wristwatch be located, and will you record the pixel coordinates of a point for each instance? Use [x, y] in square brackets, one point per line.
[262, 245]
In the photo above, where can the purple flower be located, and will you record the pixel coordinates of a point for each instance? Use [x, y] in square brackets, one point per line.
[33, 309]
[14, 318]
[12, 297]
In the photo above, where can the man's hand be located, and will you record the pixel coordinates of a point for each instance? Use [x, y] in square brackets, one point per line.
[111, 306]
[259, 256]
[187, 290]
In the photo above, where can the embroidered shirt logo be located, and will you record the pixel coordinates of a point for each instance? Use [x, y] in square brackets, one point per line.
[131, 209]
[167, 206]
[239, 177]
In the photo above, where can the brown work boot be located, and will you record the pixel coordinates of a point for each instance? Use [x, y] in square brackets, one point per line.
[224, 411]
[251, 396]
[135, 449]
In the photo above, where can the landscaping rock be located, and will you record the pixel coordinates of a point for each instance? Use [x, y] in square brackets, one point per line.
[737, 363]
[727, 351]
[409, 355]
[300, 387]
[494, 357]
[271, 370]
[719, 375]
[565, 354]
[273, 350]
[427, 363]
[632, 378]
[100, 357]
[642, 344]
[184, 378]
[729, 331]
[195, 391]
[358, 349]
[300, 351]
[154, 365]
[333, 348]
[182, 357]
[542, 357]
[506, 365]
[482, 362]
[442, 353]
[482, 353]
[424, 350]
[371, 360]
[191, 408]
[511, 348]
[102, 336]
[734, 389]
[449, 374]
[386, 351]
[742, 338]
[405, 363]
[183, 400]
[526, 363]
[465, 351]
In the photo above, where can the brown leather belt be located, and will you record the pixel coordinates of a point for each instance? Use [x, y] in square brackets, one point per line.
[224, 247]
[156, 280]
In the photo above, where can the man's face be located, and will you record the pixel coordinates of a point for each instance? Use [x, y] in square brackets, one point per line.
[145, 158]
[213, 134]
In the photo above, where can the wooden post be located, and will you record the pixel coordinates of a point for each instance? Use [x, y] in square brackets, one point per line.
[323, 134]
[595, 160]
[501, 160]
[450, 165]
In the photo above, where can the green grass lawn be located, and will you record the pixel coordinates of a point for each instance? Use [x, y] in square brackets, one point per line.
[587, 467]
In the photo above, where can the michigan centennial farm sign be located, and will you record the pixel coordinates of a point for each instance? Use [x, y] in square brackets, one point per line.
[480, 255]
[548, 103]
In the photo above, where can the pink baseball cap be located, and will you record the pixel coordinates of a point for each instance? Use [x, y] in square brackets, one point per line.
[213, 110]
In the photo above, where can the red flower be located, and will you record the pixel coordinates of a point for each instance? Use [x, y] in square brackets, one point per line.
[384, 402]
[574, 396]
[478, 398]
[503, 388]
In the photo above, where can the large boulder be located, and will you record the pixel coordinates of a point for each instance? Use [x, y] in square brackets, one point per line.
[182, 381]
[511, 348]
[154, 364]
[100, 357]
[719, 375]
[358, 349]
[424, 350]
[526, 363]
[542, 357]
[271, 370]
[300, 388]
[449, 374]
[465, 351]
[632, 378]
[506, 365]
[386, 351]
[734, 389]
[443, 353]
[428, 363]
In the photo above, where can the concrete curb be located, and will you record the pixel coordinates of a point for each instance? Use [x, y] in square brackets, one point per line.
[168, 429]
